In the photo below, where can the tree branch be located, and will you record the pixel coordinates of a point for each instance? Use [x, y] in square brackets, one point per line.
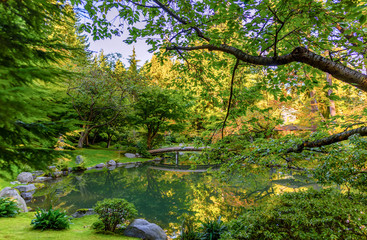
[299, 54]
[328, 140]
[181, 20]
[230, 96]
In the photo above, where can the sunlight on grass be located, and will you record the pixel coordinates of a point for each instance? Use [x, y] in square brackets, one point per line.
[96, 156]
[20, 228]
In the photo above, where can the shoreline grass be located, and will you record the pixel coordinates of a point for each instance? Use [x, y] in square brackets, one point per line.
[19, 227]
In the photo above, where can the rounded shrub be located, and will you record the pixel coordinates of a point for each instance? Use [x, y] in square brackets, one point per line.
[8, 207]
[51, 219]
[212, 229]
[325, 214]
[114, 211]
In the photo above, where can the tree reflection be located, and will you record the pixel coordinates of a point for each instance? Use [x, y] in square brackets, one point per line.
[163, 196]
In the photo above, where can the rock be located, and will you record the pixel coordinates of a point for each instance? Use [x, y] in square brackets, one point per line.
[111, 168]
[141, 228]
[79, 159]
[52, 168]
[25, 177]
[42, 179]
[119, 164]
[83, 212]
[101, 165]
[111, 163]
[26, 188]
[27, 196]
[130, 155]
[57, 174]
[37, 173]
[13, 194]
[130, 165]
[15, 182]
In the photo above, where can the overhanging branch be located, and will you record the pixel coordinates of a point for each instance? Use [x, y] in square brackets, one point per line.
[299, 54]
[328, 140]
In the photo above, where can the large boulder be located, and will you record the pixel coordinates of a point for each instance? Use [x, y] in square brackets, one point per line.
[25, 177]
[143, 229]
[26, 188]
[8, 192]
[130, 155]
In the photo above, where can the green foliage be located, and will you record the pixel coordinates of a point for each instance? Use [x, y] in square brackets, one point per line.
[80, 167]
[98, 226]
[158, 110]
[8, 207]
[51, 219]
[143, 149]
[212, 229]
[131, 149]
[324, 214]
[346, 167]
[31, 60]
[113, 212]
[188, 231]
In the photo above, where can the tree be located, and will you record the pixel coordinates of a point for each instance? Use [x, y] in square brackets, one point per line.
[31, 66]
[98, 96]
[263, 33]
[158, 110]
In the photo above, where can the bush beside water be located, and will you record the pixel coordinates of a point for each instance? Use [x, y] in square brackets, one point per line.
[8, 207]
[113, 212]
[51, 219]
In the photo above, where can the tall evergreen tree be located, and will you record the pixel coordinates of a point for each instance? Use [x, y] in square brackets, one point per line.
[30, 60]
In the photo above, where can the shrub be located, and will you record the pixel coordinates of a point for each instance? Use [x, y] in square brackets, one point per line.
[51, 219]
[212, 229]
[143, 149]
[325, 214]
[8, 207]
[114, 211]
[188, 228]
[98, 226]
[79, 168]
[131, 149]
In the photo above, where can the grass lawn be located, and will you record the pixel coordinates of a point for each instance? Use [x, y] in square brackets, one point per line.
[101, 155]
[20, 228]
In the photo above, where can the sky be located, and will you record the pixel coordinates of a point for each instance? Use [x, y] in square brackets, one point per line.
[116, 45]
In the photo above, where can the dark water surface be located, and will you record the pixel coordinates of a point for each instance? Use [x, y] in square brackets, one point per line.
[163, 196]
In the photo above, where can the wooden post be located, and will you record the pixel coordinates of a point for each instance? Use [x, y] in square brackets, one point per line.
[177, 162]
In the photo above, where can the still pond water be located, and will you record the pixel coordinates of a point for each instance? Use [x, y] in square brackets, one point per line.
[162, 196]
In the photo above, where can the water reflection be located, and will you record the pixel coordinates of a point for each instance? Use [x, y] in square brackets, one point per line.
[163, 196]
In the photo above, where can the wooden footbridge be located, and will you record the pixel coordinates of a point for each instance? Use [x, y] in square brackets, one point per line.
[177, 150]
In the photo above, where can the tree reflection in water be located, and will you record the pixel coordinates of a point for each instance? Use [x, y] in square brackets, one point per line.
[163, 196]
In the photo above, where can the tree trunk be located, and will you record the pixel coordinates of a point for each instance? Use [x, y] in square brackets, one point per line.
[149, 140]
[314, 109]
[83, 137]
[109, 138]
[330, 91]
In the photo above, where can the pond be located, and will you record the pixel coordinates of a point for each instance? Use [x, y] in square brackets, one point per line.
[162, 196]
